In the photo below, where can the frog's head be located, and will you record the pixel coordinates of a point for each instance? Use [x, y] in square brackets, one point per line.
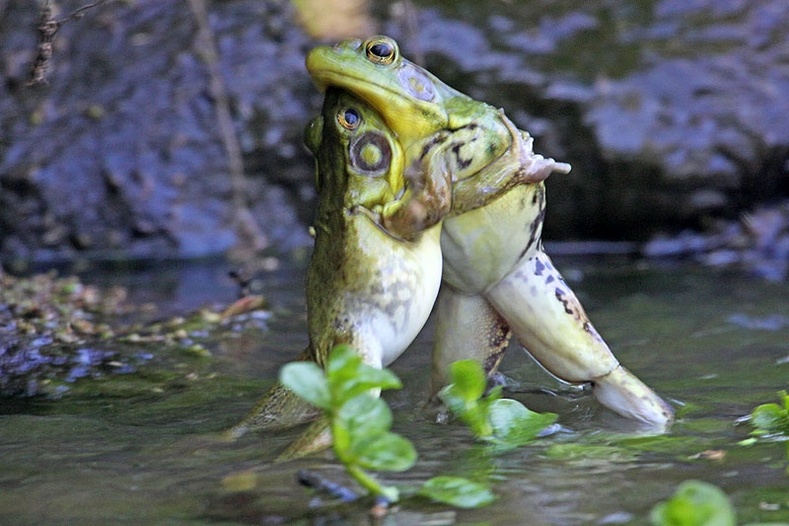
[410, 99]
[359, 160]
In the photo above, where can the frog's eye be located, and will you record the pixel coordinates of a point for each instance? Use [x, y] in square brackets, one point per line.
[349, 118]
[371, 154]
[381, 50]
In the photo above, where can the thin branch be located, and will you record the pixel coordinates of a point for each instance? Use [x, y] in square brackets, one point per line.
[48, 28]
[246, 226]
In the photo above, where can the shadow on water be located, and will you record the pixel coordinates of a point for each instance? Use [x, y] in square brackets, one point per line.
[132, 449]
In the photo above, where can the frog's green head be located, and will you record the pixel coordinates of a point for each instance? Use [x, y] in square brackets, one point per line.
[359, 160]
[411, 100]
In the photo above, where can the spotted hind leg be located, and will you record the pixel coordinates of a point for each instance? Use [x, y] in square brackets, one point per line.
[549, 321]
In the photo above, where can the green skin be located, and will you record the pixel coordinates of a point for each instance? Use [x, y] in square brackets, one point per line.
[497, 278]
[376, 268]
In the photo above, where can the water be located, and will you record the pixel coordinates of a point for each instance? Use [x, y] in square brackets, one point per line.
[146, 448]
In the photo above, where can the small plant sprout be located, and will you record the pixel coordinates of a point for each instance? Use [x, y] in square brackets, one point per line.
[502, 422]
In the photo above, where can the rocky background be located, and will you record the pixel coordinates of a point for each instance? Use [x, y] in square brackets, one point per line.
[158, 131]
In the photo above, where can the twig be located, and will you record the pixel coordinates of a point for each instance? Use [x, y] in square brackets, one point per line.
[313, 480]
[48, 28]
[246, 226]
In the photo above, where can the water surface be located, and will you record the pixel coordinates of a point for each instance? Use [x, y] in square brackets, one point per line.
[146, 448]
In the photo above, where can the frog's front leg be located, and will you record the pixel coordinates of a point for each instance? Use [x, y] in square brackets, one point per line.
[467, 327]
[549, 321]
[426, 199]
[518, 165]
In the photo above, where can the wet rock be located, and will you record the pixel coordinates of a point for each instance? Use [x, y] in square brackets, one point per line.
[758, 243]
[119, 155]
[50, 336]
[55, 331]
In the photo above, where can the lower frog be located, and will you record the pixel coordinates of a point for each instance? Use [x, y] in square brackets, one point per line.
[376, 268]
[497, 278]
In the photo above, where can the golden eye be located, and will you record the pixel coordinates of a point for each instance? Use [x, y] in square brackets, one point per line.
[381, 50]
[349, 119]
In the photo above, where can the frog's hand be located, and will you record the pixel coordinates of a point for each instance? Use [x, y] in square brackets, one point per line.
[426, 200]
[518, 165]
[278, 409]
[314, 439]
[467, 327]
[549, 321]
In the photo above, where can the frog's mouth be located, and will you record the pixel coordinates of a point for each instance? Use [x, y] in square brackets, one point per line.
[406, 104]
[374, 218]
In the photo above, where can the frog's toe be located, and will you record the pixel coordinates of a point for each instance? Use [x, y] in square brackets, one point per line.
[625, 394]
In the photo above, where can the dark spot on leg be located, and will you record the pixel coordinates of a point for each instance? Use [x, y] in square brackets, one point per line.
[539, 268]
[561, 296]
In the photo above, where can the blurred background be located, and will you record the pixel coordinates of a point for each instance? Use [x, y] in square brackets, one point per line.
[173, 128]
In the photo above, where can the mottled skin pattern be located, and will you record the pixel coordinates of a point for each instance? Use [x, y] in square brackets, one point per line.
[376, 268]
[496, 275]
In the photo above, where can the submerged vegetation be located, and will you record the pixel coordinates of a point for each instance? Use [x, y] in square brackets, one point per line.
[57, 330]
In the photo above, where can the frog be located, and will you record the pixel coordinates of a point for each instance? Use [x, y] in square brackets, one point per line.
[376, 266]
[498, 281]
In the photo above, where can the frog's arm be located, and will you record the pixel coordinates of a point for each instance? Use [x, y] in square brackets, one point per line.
[467, 327]
[425, 201]
[518, 165]
[549, 321]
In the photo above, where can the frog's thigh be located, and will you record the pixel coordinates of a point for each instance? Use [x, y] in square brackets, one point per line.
[550, 323]
[467, 327]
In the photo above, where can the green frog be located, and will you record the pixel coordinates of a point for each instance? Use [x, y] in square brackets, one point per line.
[376, 268]
[497, 278]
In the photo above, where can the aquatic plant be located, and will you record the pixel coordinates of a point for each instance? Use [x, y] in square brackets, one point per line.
[360, 424]
[695, 503]
[772, 418]
[504, 423]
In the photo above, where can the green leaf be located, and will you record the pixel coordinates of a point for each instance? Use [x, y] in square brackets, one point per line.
[384, 452]
[349, 376]
[695, 503]
[307, 380]
[365, 415]
[457, 491]
[514, 424]
[772, 418]
[468, 378]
